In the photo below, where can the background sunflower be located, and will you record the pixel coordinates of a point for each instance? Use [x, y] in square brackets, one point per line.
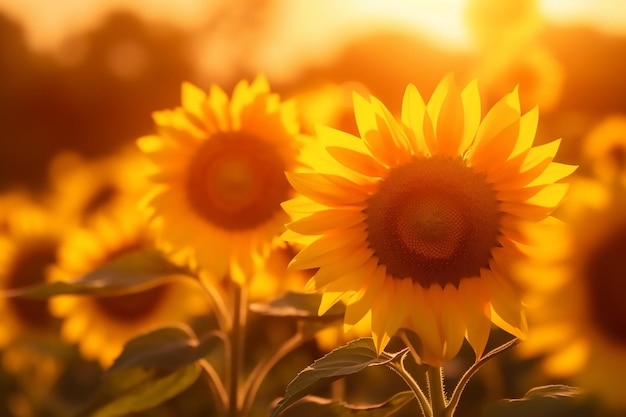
[29, 239]
[576, 315]
[80, 187]
[101, 325]
[220, 176]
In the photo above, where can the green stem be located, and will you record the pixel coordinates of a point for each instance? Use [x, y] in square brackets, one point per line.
[237, 343]
[217, 387]
[458, 390]
[401, 370]
[221, 311]
[437, 393]
[259, 373]
[407, 342]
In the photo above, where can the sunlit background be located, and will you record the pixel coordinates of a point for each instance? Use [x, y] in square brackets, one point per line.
[80, 79]
[85, 76]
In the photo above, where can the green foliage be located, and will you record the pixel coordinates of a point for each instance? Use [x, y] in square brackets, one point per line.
[136, 389]
[167, 348]
[345, 360]
[130, 272]
[152, 368]
[546, 401]
[311, 406]
[301, 306]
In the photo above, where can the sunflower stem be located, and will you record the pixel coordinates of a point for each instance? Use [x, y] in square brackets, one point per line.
[217, 387]
[237, 344]
[221, 311]
[458, 390]
[437, 392]
[258, 374]
[401, 370]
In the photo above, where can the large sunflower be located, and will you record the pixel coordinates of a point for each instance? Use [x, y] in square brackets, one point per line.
[101, 325]
[576, 292]
[418, 220]
[220, 179]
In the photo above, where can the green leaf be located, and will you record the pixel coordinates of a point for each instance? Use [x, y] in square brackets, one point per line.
[345, 360]
[546, 401]
[131, 272]
[144, 389]
[301, 306]
[166, 348]
[311, 406]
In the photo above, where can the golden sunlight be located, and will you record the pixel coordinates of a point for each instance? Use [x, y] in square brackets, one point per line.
[192, 190]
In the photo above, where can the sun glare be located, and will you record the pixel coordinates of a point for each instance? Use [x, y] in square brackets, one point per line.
[605, 15]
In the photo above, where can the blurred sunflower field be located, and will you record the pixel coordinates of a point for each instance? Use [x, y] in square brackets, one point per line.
[330, 208]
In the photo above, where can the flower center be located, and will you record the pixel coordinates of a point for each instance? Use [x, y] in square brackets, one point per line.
[237, 181]
[100, 198]
[606, 281]
[434, 221]
[29, 268]
[130, 307]
[617, 157]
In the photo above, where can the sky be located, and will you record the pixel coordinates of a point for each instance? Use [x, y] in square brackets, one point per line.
[47, 23]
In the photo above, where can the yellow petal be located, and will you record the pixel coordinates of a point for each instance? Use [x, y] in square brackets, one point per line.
[553, 173]
[413, 112]
[300, 204]
[326, 220]
[363, 114]
[350, 151]
[391, 135]
[381, 308]
[327, 273]
[353, 281]
[445, 109]
[475, 299]
[549, 196]
[359, 305]
[192, 99]
[507, 311]
[331, 190]
[330, 248]
[527, 131]
[329, 299]
[472, 110]
[425, 324]
[452, 321]
[217, 110]
[380, 143]
[498, 133]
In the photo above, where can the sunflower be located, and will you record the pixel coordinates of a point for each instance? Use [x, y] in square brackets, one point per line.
[418, 221]
[502, 27]
[101, 325]
[29, 240]
[604, 147]
[575, 292]
[80, 187]
[272, 278]
[537, 72]
[329, 104]
[220, 179]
